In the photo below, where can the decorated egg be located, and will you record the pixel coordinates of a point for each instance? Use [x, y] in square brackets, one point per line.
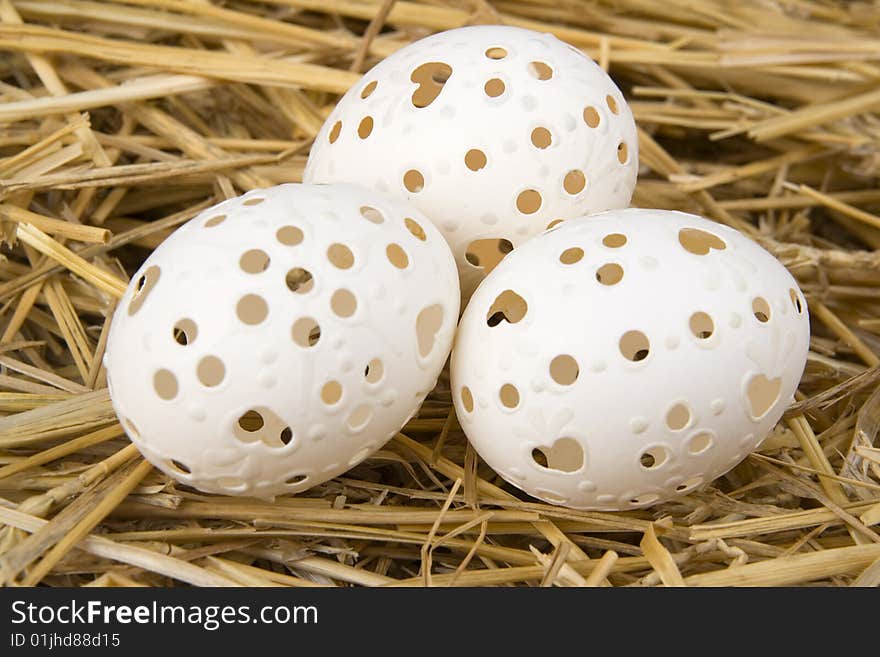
[626, 358]
[279, 338]
[493, 132]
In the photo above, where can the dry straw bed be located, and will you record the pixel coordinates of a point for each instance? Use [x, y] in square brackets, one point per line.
[121, 120]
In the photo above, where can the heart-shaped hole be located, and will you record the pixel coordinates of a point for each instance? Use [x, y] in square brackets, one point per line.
[507, 307]
[762, 394]
[565, 455]
[699, 242]
[487, 253]
[428, 322]
[431, 78]
[143, 287]
[262, 425]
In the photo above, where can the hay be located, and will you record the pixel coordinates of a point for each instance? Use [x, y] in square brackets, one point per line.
[121, 120]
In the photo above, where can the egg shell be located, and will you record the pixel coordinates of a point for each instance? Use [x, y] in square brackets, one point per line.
[628, 357]
[493, 132]
[279, 338]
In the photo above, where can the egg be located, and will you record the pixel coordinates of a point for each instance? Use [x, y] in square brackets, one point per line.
[628, 357]
[493, 132]
[279, 338]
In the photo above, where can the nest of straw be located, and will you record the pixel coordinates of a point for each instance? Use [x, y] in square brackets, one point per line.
[121, 120]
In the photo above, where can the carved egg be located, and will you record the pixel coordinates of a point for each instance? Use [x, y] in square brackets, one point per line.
[629, 357]
[279, 338]
[493, 132]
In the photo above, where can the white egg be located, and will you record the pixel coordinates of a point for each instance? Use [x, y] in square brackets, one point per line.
[624, 358]
[278, 339]
[493, 132]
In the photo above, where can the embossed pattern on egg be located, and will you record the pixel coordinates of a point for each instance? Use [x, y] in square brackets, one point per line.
[625, 358]
[493, 132]
[279, 338]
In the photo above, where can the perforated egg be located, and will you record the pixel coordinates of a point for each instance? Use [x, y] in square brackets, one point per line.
[493, 132]
[278, 339]
[628, 357]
